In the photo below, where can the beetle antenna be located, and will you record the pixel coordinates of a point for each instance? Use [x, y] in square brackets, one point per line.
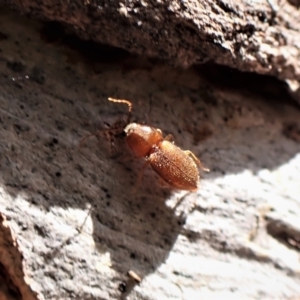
[83, 140]
[129, 104]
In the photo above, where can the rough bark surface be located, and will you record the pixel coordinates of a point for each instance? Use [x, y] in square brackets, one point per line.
[256, 36]
[79, 227]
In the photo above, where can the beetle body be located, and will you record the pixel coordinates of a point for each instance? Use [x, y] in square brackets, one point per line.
[175, 166]
[172, 164]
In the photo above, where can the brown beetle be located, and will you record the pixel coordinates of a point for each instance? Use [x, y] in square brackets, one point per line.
[176, 167]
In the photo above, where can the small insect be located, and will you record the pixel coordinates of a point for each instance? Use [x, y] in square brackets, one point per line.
[134, 276]
[175, 166]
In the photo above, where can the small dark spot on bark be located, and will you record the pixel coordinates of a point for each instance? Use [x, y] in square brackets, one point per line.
[16, 66]
[59, 125]
[37, 75]
[223, 244]
[21, 128]
[180, 222]
[291, 130]
[122, 287]
[262, 16]
[166, 241]
[79, 168]
[153, 215]
[226, 7]
[104, 189]
[39, 230]
[3, 36]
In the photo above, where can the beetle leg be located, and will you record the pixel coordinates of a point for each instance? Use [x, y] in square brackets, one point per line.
[107, 133]
[141, 174]
[163, 183]
[83, 139]
[181, 200]
[169, 138]
[196, 160]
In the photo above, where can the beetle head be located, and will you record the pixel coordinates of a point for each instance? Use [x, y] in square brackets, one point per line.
[142, 138]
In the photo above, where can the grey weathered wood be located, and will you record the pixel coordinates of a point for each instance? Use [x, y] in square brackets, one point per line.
[241, 240]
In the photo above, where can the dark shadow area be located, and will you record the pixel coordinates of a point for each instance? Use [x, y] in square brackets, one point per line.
[284, 233]
[7, 287]
[95, 55]
[91, 52]
[263, 86]
[295, 3]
